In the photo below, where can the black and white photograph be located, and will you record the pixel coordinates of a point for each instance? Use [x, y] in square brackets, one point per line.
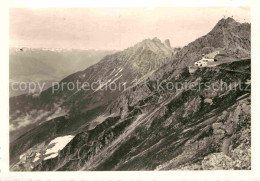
[103, 89]
[153, 89]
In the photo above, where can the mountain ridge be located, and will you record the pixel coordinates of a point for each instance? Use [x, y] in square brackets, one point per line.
[228, 36]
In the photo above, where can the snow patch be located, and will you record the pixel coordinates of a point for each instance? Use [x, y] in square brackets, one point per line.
[37, 157]
[208, 100]
[119, 70]
[115, 80]
[140, 116]
[98, 121]
[112, 72]
[22, 155]
[59, 143]
[102, 84]
[107, 83]
[59, 112]
[83, 75]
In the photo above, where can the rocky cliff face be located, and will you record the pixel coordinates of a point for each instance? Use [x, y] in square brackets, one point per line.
[228, 36]
[166, 129]
[156, 124]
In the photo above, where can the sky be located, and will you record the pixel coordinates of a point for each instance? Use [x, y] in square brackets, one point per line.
[113, 28]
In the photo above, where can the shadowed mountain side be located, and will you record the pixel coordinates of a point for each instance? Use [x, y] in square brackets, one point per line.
[189, 129]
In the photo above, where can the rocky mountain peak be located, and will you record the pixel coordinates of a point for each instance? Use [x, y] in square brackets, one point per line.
[167, 43]
[156, 46]
[155, 39]
[226, 23]
[147, 41]
[227, 20]
[229, 36]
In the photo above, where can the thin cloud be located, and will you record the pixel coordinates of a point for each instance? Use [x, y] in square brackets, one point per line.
[113, 28]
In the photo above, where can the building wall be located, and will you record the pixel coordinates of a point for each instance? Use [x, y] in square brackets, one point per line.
[207, 58]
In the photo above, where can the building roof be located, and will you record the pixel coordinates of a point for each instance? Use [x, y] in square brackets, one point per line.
[212, 54]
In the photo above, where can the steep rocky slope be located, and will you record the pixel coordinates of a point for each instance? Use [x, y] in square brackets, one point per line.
[147, 126]
[164, 129]
[228, 36]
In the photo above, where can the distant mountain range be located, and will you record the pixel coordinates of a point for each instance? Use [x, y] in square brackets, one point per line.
[49, 65]
[142, 127]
